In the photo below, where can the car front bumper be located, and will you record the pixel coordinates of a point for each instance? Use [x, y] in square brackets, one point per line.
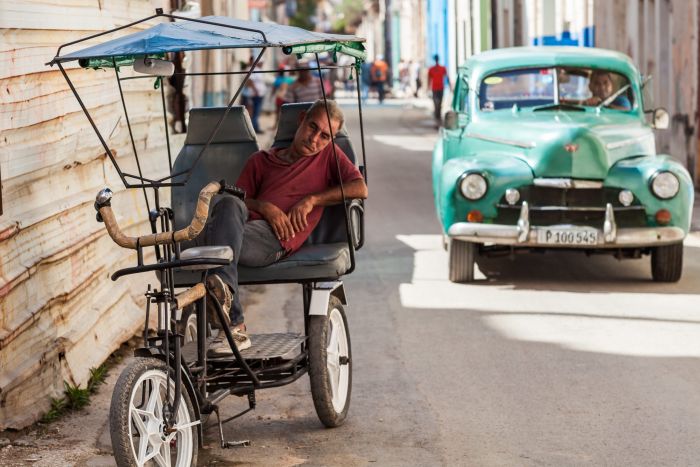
[524, 235]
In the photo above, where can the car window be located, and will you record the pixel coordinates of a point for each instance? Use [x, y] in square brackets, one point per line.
[535, 87]
[590, 88]
[524, 88]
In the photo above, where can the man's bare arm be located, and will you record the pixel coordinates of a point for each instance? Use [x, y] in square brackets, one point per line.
[278, 220]
[353, 190]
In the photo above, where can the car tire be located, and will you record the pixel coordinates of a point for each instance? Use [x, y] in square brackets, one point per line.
[330, 364]
[667, 263]
[462, 258]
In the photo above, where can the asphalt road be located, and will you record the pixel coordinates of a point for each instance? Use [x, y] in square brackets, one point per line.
[550, 360]
[546, 360]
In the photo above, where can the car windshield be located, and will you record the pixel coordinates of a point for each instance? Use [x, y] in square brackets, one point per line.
[558, 86]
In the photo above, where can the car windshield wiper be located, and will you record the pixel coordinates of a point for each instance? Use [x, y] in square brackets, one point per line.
[613, 96]
[559, 106]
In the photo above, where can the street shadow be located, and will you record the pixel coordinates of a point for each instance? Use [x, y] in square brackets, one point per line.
[572, 271]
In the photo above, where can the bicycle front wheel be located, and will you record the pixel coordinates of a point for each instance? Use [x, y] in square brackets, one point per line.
[137, 421]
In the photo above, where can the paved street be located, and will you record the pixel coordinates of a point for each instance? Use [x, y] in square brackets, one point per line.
[545, 360]
[552, 360]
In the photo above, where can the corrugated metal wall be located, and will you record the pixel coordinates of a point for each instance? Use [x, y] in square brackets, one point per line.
[60, 314]
[661, 36]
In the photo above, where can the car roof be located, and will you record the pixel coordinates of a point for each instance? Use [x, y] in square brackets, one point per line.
[521, 57]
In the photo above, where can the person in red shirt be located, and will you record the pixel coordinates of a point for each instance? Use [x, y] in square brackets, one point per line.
[286, 190]
[437, 75]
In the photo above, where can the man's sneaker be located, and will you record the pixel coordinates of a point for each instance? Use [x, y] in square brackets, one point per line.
[218, 288]
[219, 346]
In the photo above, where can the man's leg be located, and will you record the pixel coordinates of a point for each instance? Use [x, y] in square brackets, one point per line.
[260, 245]
[226, 227]
[257, 105]
[437, 101]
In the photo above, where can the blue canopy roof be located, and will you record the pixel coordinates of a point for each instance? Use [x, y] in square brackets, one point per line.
[227, 33]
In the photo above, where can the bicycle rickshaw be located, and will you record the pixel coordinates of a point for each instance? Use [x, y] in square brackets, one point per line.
[163, 397]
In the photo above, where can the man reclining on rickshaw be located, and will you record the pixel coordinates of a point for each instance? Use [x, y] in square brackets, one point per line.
[286, 190]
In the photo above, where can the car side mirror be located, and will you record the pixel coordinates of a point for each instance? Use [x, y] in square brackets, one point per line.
[660, 119]
[451, 120]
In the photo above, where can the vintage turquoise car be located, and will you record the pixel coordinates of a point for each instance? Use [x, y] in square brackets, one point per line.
[550, 148]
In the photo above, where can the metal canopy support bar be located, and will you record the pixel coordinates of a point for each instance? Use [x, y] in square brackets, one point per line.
[92, 123]
[351, 246]
[223, 117]
[131, 134]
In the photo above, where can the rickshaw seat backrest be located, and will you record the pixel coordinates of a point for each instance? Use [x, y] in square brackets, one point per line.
[331, 228]
[289, 122]
[225, 157]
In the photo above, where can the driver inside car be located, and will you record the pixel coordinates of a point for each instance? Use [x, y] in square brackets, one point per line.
[286, 190]
[602, 86]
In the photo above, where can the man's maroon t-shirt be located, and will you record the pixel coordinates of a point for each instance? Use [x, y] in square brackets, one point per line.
[266, 177]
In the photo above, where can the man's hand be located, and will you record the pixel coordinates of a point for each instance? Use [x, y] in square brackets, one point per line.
[594, 100]
[278, 220]
[299, 212]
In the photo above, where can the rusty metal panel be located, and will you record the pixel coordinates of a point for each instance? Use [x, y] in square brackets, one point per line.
[661, 37]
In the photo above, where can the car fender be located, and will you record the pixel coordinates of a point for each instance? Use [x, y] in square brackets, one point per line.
[635, 174]
[501, 171]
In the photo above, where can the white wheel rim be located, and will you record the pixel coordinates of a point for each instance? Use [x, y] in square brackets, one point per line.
[337, 349]
[149, 445]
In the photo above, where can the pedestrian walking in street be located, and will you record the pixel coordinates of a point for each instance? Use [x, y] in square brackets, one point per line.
[379, 72]
[404, 78]
[253, 96]
[306, 88]
[365, 79]
[414, 69]
[437, 75]
[280, 88]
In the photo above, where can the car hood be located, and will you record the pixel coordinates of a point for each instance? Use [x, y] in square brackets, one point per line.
[564, 144]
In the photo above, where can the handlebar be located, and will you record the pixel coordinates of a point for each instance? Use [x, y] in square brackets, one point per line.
[201, 214]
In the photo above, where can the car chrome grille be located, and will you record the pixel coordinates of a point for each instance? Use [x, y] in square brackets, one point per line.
[577, 206]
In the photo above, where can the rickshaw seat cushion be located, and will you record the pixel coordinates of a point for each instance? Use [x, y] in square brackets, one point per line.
[207, 252]
[323, 261]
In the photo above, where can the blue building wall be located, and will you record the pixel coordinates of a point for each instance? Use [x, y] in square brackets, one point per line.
[585, 38]
[437, 33]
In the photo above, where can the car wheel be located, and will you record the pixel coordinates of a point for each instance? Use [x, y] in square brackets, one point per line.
[462, 257]
[667, 263]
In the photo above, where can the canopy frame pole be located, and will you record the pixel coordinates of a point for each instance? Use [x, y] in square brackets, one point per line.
[194, 20]
[223, 117]
[58, 52]
[165, 125]
[159, 13]
[362, 126]
[348, 231]
[94, 126]
[131, 134]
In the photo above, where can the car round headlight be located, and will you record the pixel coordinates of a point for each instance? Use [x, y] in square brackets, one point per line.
[665, 185]
[473, 186]
[512, 196]
[626, 197]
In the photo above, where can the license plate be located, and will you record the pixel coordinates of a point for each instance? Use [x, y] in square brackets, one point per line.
[567, 236]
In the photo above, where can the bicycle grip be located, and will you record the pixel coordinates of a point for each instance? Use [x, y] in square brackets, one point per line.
[232, 190]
